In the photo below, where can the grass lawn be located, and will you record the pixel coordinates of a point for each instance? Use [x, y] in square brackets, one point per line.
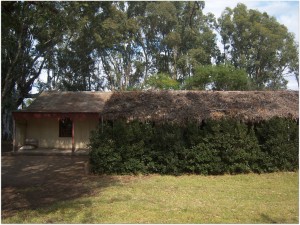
[251, 198]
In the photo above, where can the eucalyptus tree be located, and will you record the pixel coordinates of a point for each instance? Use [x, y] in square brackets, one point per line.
[77, 62]
[197, 44]
[259, 44]
[121, 58]
[174, 36]
[30, 32]
[91, 55]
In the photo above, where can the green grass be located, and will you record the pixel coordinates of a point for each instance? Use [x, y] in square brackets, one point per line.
[251, 198]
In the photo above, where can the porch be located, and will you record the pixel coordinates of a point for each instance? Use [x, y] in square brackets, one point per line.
[52, 152]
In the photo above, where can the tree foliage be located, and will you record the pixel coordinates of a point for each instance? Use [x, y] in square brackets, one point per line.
[220, 77]
[162, 81]
[259, 44]
[31, 32]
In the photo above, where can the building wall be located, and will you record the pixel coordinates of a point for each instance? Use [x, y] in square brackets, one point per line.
[46, 131]
[20, 133]
[82, 132]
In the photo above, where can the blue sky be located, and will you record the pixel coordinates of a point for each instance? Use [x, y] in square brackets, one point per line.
[286, 12]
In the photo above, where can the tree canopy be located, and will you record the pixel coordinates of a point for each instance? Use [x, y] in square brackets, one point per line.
[256, 42]
[81, 46]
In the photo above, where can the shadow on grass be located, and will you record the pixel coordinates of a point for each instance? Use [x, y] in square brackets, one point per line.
[267, 219]
[37, 182]
[67, 211]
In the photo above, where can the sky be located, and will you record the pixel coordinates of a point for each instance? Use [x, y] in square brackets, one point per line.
[285, 12]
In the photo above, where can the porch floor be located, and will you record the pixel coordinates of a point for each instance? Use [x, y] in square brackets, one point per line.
[52, 151]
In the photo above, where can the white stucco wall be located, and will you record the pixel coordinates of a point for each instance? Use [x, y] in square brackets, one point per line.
[82, 132]
[46, 131]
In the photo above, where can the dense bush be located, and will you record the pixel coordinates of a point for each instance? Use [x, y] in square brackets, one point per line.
[279, 143]
[213, 147]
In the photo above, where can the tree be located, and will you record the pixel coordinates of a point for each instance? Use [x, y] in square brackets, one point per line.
[174, 36]
[32, 30]
[220, 77]
[78, 61]
[193, 41]
[257, 43]
[162, 81]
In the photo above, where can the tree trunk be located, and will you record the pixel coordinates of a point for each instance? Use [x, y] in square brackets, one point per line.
[6, 125]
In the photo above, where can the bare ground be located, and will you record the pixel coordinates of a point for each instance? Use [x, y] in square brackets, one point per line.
[30, 182]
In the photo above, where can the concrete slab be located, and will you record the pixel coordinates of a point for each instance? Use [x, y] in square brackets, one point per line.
[52, 152]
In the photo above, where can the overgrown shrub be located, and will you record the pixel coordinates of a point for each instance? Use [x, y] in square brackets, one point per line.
[279, 143]
[213, 147]
[235, 143]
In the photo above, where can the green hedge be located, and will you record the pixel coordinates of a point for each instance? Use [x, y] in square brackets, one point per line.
[213, 147]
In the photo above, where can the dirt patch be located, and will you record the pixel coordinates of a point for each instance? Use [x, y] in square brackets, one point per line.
[30, 182]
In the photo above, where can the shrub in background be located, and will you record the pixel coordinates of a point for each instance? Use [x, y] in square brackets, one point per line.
[214, 147]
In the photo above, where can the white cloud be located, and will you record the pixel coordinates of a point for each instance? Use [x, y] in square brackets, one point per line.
[285, 12]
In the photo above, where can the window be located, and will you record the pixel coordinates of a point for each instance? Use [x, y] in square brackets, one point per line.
[65, 127]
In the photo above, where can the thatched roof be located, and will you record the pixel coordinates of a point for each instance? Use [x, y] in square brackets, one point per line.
[69, 102]
[174, 106]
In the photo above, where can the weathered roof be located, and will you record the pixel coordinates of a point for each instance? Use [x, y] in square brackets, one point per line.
[175, 106]
[68, 102]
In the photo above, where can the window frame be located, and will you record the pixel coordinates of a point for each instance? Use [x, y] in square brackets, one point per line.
[65, 128]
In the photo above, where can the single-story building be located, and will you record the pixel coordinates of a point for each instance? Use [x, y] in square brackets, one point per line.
[64, 120]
